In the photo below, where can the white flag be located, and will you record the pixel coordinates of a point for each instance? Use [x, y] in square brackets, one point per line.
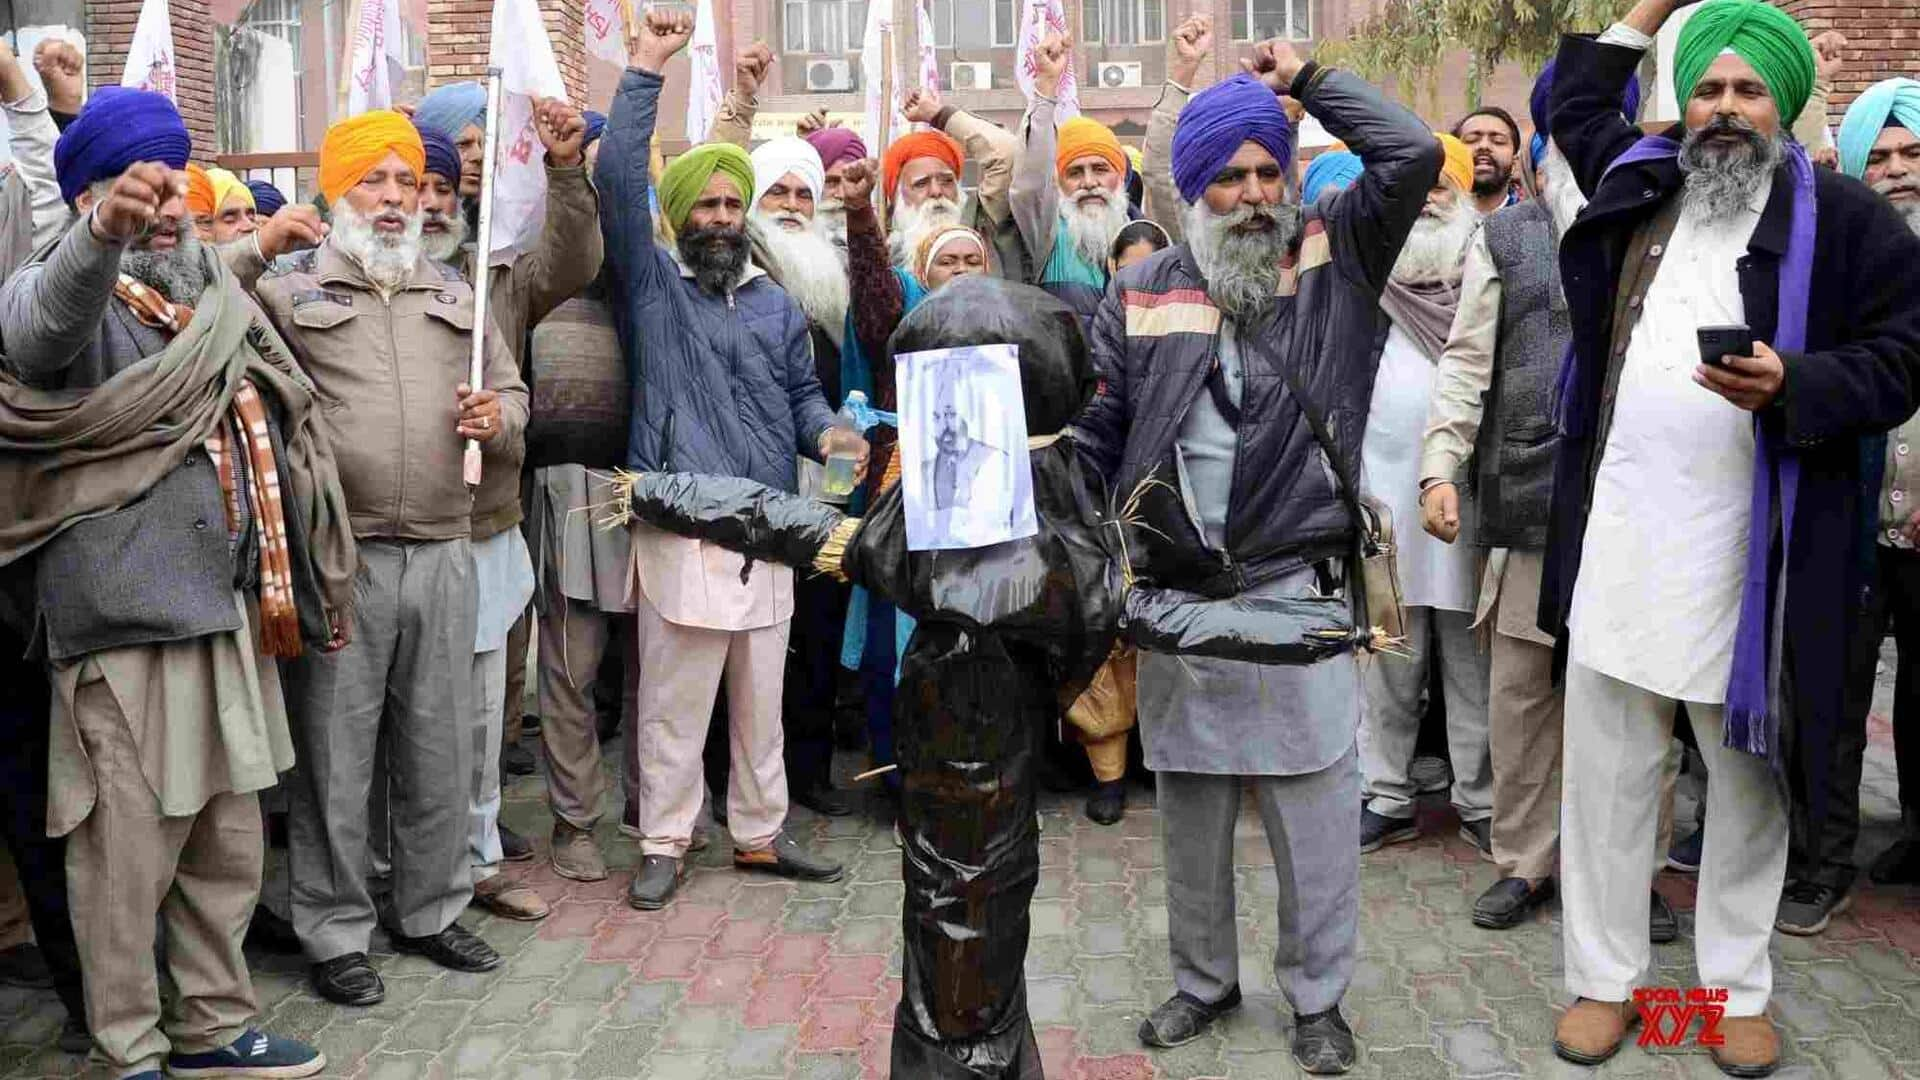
[874, 60]
[605, 23]
[374, 56]
[929, 64]
[518, 46]
[704, 91]
[150, 56]
[1038, 19]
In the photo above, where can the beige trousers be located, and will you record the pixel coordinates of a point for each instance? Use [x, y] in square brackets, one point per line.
[573, 639]
[1523, 734]
[126, 862]
[679, 674]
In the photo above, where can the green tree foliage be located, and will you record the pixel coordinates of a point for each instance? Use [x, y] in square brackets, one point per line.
[1408, 40]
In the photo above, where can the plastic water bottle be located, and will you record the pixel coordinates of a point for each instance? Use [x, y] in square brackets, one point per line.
[838, 485]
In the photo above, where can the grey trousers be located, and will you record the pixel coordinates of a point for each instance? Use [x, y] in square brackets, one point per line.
[406, 678]
[1390, 724]
[1312, 823]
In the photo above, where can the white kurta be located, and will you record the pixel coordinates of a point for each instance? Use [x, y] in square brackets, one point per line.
[1432, 574]
[1658, 597]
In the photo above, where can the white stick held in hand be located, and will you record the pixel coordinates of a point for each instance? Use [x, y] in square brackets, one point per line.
[482, 259]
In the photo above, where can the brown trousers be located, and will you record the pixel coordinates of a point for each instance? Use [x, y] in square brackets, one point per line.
[126, 863]
[15, 930]
[573, 639]
[1523, 735]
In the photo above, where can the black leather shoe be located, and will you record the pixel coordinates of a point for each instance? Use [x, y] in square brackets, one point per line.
[349, 980]
[516, 761]
[1183, 1017]
[1108, 803]
[514, 847]
[1509, 902]
[1663, 925]
[530, 725]
[654, 883]
[270, 933]
[786, 858]
[1898, 865]
[455, 947]
[824, 799]
[74, 1037]
[1323, 1043]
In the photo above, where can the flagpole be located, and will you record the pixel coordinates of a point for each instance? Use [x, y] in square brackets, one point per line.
[344, 89]
[482, 258]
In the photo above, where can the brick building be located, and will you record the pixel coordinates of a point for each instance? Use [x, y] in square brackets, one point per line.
[1121, 49]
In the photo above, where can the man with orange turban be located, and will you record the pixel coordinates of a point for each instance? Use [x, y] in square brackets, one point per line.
[920, 177]
[223, 211]
[222, 205]
[1069, 196]
[385, 334]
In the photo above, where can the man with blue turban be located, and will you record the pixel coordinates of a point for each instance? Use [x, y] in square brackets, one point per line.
[1236, 373]
[522, 287]
[184, 526]
[1879, 142]
[1740, 320]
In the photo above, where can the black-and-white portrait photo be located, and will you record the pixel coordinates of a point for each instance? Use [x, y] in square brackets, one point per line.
[963, 442]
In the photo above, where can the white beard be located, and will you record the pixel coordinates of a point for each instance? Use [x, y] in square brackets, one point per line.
[911, 224]
[1242, 269]
[1437, 247]
[443, 246]
[809, 268]
[387, 258]
[830, 219]
[1564, 198]
[1091, 225]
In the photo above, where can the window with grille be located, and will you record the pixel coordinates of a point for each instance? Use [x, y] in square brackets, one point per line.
[1258, 20]
[957, 24]
[1122, 22]
[823, 27]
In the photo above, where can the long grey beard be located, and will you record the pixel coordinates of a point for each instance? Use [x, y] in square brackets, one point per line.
[1092, 225]
[809, 268]
[911, 224]
[443, 246]
[387, 258]
[1437, 247]
[1242, 269]
[830, 218]
[1721, 183]
[180, 275]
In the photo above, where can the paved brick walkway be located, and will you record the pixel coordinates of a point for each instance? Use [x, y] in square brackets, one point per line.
[747, 977]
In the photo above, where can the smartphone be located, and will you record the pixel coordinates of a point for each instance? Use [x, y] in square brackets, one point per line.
[1719, 342]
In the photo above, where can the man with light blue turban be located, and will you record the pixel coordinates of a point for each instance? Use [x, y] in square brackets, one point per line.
[1879, 142]
[1234, 369]
[1740, 322]
[522, 287]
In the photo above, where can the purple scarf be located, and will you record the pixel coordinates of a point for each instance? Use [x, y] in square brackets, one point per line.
[1753, 691]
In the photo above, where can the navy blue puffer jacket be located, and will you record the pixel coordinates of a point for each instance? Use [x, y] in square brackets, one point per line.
[722, 384]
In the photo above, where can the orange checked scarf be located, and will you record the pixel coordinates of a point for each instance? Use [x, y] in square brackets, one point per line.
[244, 425]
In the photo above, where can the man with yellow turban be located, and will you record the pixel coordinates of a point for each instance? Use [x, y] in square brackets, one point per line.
[1741, 319]
[724, 384]
[1438, 582]
[224, 215]
[385, 334]
[221, 204]
[1069, 200]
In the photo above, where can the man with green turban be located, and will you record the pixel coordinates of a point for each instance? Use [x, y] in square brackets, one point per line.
[1706, 511]
[723, 383]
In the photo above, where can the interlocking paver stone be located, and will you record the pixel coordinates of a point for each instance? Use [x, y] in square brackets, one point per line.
[748, 977]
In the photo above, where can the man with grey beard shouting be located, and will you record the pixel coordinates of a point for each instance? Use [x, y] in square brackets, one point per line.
[1221, 360]
[170, 492]
[1741, 320]
[385, 333]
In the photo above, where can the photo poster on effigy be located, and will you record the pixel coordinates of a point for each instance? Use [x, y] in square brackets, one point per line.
[966, 478]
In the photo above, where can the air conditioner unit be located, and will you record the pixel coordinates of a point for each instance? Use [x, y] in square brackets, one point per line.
[835, 75]
[970, 75]
[1114, 75]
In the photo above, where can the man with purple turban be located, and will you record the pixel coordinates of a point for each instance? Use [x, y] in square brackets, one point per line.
[1236, 372]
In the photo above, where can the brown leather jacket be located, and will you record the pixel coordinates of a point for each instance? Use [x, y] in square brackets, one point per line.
[386, 369]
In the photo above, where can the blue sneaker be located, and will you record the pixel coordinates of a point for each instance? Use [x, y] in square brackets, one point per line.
[1684, 855]
[254, 1053]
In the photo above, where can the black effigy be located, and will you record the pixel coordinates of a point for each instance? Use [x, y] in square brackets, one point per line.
[1007, 637]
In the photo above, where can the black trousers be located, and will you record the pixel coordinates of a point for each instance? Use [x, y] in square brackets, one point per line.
[1823, 851]
[41, 862]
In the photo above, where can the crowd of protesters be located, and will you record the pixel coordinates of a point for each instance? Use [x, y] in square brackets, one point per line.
[250, 596]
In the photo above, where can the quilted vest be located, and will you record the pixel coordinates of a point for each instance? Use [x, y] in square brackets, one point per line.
[1515, 450]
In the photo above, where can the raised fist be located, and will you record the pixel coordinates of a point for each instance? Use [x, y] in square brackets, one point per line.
[750, 69]
[661, 34]
[922, 105]
[1192, 41]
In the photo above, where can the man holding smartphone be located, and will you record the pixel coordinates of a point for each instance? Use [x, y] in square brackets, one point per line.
[1703, 513]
